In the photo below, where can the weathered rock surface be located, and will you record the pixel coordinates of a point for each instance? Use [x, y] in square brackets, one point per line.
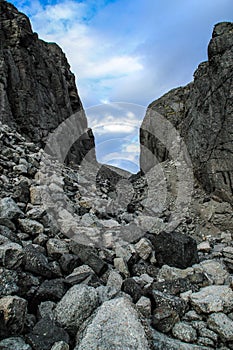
[175, 249]
[202, 113]
[36, 94]
[76, 306]
[115, 326]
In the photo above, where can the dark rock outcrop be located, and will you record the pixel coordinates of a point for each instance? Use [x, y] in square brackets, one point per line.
[202, 113]
[37, 88]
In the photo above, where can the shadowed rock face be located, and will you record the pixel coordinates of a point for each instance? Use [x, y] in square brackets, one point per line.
[202, 112]
[37, 88]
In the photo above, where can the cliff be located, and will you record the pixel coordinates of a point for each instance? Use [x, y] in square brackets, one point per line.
[202, 113]
[37, 89]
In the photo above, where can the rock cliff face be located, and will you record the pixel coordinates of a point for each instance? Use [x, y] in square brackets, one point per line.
[203, 113]
[37, 88]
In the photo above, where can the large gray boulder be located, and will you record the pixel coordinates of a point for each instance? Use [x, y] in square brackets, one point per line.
[202, 113]
[115, 326]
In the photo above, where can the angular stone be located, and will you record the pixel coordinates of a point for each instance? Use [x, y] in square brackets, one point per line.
[69, 262]
[45, 333]
[143, 248]
[144, 306]
[9, 209]
[32, 227]
[46, 309]
[184, 332]
[175, 303]
[115, 326]
[121, 266]
[8, 282]
[174, 249]
[222, 325]
[76, 306]
[80, 274]
[115, 280]
[164, 318]
[56, 247]
[36, 262]
[14, 343]
[51, 290]
[88, 256]
[213, 299]
[215, 271]
[13, 314]
[204, 247]
[162, 342]
[61, 345]
[11, 255]
[106, 293]
[131, 287]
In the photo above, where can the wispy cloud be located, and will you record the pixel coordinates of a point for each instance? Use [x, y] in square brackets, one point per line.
[129, 51]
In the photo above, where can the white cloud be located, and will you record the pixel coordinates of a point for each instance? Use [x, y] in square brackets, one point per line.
[132, 148]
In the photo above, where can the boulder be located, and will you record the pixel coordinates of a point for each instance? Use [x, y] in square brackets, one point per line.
[115, 326]
[174, 249]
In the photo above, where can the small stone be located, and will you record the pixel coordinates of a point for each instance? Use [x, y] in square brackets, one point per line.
[206, 342]
[175, 303]
[12, 314]
[222, 325]
[11, 255]
[105, 293]
[36, 262]
[131, 287]
[213, 299]
[41, 239]
[9, 209]
[45, 333]
[115, 280]
[89, 257]
[76, 306]
[14, 343]
[172, 273]
[215, 271]
[144, 306]
[46, 309]
[20, 169]
[36, 193]
[80, 274]
[143, 248]
[69, 262]
[226, 237]
[164, 318]
[192, 315]
[8, 282]
[124, 251]
[204, 247]
[56, 247]
[207, 333]
[61, 345]
[184, 332]
[32, 227]
[121, 266]
[51, 290]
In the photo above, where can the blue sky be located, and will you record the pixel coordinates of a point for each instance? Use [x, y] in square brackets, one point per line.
[128, 51]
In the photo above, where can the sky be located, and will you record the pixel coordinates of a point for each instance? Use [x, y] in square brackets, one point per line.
[125, 54]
